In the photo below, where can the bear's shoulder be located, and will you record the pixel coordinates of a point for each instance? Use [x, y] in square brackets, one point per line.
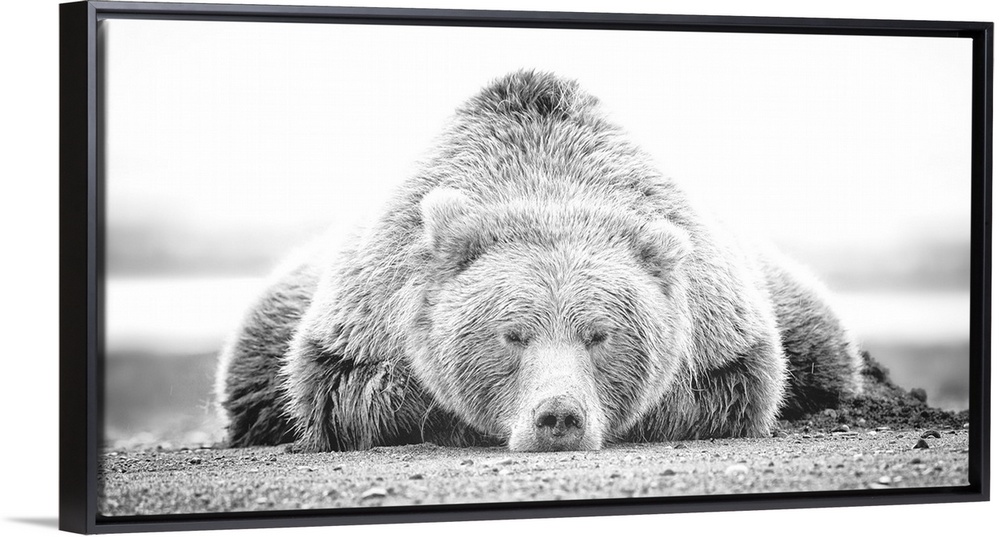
[530, 94]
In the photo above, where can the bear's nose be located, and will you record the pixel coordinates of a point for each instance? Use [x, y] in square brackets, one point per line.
[559, 424]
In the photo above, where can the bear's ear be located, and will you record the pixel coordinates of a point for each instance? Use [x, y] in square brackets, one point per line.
[664, 246]
[451, 241]
[440, 209]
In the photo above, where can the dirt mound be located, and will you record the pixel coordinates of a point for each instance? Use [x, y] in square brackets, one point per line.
[881, 404]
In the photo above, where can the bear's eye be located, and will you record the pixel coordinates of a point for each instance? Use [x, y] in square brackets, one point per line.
[515, 338]
[595, 338]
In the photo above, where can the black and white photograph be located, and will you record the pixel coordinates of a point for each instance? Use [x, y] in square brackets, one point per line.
[357, 265]
[363, 265]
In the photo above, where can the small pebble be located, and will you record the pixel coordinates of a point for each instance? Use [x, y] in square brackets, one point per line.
[261, 500]
[417, 476]
[338, 468]
[615, 475]
[877, 486]
[195, 460]
[843, 428]
[680, 446]
[737, 469]
[885, 480]
[466, 462]
[921, 444]
[830, 413]
[916, 460]
[862, 421]
[504, 462]
[304, 468]
[881, 429]
[374, 492]
[668, 471]
[965, 425]
[930, 434]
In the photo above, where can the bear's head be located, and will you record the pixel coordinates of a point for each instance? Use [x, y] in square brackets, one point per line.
[553, 326]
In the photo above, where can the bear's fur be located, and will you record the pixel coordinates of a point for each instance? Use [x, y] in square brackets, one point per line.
[537, 267]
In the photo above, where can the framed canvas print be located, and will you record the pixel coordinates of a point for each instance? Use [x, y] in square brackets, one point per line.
[326, 265]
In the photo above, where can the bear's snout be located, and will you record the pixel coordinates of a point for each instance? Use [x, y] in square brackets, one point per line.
[559, 424]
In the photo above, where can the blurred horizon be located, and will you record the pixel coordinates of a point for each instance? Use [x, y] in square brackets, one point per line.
[155, 247]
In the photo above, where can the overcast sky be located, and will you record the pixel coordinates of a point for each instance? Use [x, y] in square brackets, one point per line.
[819, 139]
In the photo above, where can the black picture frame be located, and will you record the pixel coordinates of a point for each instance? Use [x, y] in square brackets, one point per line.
[81, 269]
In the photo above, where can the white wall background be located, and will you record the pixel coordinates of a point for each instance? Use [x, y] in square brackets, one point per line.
[29, 218]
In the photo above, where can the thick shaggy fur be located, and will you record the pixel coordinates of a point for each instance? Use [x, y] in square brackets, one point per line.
[537, 253]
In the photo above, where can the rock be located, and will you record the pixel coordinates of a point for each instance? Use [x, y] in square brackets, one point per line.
[338, 468]
[862, 422]
[737, 469]
[417, 476]
[466, 462]
[830, 413]
[921, 444]
[881, 429]
[916, 460]
[931, 433]
[885, 480]
[843, 428]
[374, 492]
[668, 472]
[680, 446]
[504, 462]
[878, 486]
[195, 460]
[965, 425]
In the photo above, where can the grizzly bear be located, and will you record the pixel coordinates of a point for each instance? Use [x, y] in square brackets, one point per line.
[539, 285]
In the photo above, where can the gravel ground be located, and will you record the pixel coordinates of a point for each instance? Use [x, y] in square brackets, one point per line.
[885, 438]
[209, 479]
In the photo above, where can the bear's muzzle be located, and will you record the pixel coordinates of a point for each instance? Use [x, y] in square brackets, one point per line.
[560, 423]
